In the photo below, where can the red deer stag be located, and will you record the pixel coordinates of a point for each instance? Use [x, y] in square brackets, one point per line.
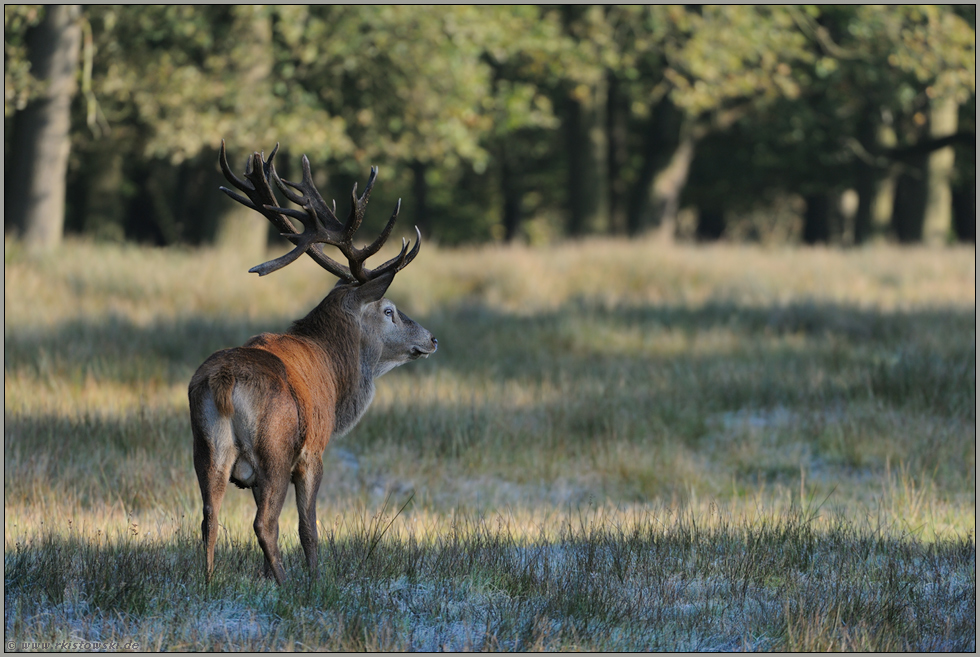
[262, 413]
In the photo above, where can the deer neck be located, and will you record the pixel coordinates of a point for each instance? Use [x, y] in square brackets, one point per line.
[336, 330]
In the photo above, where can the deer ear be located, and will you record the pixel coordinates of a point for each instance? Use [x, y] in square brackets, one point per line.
[375, 288]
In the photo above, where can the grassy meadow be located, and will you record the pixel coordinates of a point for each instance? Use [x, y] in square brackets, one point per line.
[618, 446]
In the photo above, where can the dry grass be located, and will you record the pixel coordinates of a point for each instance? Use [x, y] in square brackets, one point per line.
[618, 446]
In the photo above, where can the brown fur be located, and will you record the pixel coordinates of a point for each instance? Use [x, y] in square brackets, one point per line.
[262, 413]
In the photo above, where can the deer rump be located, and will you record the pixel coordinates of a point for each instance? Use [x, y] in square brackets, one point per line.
[240, 396]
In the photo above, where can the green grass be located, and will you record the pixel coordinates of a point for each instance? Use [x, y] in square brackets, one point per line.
[619, 445]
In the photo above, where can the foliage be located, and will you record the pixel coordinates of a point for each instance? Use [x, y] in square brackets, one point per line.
[19, 86]
[734, 54]
[473, 109]
[864, 88]
[179, 74]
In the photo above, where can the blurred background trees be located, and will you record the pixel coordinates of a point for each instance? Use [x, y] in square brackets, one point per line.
[816, 124]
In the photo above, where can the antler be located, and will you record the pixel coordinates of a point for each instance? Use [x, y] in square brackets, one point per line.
[320, 221]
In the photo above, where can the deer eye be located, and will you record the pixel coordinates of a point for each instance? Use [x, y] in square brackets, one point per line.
[389, 312]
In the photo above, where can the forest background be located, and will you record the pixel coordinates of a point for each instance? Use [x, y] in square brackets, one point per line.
[807, 124]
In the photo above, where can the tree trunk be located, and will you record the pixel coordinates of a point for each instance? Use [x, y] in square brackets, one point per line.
[938, 220]
[239, 228]
[509, 188]
[599, 156]
[711, 224]
[584, 127]
[909, 206]
[866, 179]
[572, 128]
[35, 198]
[883, 203]
[817, 218]
[581, 183]
[661, 138]
[617, 154]
[669, 184]
[103, 206]
[884, 189]
[865, 183]
[965, 213]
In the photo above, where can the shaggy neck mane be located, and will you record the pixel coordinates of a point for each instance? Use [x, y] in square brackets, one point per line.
[336, 329]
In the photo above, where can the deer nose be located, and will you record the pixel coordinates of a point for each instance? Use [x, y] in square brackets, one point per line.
[435, 343]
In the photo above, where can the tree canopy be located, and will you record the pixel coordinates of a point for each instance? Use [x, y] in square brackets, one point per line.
[521, 122]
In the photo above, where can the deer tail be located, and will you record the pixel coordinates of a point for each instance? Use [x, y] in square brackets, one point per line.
[221, 384]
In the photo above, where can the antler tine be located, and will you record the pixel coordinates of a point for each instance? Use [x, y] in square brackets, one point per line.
[376, 245]
[306, 242]
[415, 250]
[355, 216]
[312, 250]
[401, 260]
[270, 168]
[284, 187]
[363, 201]
[370, 184]
[289, 212]
[309, 196]
[280, 262]
[225, 169]
[358, 206]
[238, 197]
[243, 185]
[352, 223]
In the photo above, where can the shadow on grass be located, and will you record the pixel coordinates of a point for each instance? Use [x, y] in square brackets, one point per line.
[467, 330]
[122, 351]
[673, 361]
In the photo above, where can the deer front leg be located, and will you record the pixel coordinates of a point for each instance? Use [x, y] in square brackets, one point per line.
[270, 494]
[307, 477]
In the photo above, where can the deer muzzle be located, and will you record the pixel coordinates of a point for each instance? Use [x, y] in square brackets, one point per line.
[423, 352]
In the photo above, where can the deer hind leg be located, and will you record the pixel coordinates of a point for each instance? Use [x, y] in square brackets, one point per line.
[214, 456]
[270, 495]
[306, 477]
[266, 426]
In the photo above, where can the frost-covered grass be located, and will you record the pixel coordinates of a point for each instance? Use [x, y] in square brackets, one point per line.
[619, 445]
